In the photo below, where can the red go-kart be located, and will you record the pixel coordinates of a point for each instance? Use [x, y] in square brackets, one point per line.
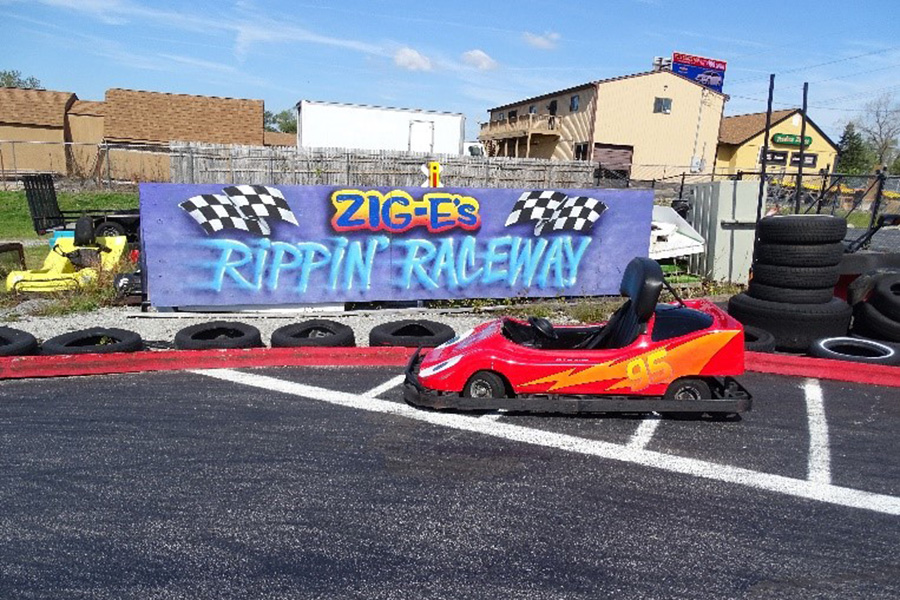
[676, 357]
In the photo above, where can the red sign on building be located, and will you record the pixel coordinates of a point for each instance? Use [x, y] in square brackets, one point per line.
[698, 61]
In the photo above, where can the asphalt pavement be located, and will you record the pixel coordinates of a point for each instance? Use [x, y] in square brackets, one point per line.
[321, 483]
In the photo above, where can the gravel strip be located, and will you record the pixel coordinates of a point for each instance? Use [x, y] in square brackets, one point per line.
[158, 329]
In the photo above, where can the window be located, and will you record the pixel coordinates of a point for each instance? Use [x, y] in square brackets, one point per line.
[532, 109]
[662, 105]
[581, 151]
[775, 157]
[809, 160]
[511, 115]
[573, 103]
[552, 107]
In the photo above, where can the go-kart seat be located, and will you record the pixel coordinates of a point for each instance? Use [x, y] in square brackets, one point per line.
[642, 283]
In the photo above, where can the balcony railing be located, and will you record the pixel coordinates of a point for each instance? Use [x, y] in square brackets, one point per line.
[520, 126]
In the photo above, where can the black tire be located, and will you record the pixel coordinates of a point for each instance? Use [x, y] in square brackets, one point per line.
[861, 288]
[485, 384]
[686, 389]
[315, 332]
[886, 296]
[858, 350]
[96, 340]
[84, 231]
[791, 296]
[869, 322]
[15, 342]
[795, 326]
[218, 335]
[758, 340]
[802, 229]
[800, 255]
[806, 278]
[109, 229]
[410, 333]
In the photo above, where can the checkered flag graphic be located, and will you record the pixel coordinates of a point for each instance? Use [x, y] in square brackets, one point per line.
[576, 213]
[535, 206]
[260, 202]
[215, 212]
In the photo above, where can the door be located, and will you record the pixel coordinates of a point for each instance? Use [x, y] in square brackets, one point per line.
[421, 136]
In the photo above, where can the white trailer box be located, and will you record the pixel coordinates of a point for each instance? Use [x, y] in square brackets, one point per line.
[335, 125]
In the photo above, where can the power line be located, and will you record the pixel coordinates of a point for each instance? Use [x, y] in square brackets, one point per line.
[824, 64]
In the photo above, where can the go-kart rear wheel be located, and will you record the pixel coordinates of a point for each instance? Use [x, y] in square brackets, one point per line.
[485, 384]
[686, 389]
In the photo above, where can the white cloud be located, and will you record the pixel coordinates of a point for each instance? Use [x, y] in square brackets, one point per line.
[479, 59]
[547, 41]
[411, 60]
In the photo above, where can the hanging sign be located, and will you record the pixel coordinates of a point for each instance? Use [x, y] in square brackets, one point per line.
[231, 245]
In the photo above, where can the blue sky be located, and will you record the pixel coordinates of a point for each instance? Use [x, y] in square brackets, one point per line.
[464, 56]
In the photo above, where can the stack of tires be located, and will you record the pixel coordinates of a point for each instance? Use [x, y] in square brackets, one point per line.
[795, 270]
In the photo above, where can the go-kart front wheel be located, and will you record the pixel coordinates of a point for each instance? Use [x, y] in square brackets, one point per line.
[485, 384]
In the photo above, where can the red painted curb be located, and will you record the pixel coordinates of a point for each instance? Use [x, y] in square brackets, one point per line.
[822, 368]
[17, 367]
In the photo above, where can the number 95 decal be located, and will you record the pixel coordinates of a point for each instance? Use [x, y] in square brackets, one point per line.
[645, 371]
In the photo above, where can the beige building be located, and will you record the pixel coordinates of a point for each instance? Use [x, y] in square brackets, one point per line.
[647, 125]
[55, 132]
[39, 118]
[742, 137]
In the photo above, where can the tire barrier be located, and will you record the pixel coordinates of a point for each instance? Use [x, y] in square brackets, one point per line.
[758, 340]
[218, 335]
[858, 350]
[411, 334]
[315, 332]
[795, 268]
[96, 340]
[15, 342]
[795, 326]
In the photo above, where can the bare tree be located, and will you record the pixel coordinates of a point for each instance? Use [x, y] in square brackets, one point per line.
[880, 124]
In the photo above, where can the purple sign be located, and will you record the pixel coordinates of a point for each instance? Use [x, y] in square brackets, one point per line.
[215, 245]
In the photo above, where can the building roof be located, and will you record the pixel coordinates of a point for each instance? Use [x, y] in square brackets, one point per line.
[596, 83]
[278, 138]
[740, 128]
[133, 115]
[34, 107]
[88, 107]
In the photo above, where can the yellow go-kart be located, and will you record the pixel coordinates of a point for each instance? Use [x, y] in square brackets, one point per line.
[72, 263]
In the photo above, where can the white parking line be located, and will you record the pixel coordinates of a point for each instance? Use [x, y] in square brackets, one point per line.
[387, 385]
[819, 468]
[811, 490]
[644, 433]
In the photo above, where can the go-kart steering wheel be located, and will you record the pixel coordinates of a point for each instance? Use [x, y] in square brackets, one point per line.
[543, 327]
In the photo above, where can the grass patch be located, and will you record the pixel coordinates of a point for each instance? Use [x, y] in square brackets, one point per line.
[15, 220]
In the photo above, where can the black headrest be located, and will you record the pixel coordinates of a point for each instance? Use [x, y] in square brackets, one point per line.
[642, 282]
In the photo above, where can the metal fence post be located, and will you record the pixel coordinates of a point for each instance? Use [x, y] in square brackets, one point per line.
[876, 204]
[681, 187]
[15, 168]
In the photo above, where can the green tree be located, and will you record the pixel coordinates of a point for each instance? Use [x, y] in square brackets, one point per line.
[269, 121]
[894, 169]
[855, 157]
[14, 79]
[286, 121]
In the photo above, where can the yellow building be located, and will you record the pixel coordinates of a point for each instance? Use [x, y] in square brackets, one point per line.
[741, 140]
[647, 125]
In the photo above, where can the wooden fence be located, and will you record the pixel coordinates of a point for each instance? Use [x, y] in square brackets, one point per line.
[208, 163]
